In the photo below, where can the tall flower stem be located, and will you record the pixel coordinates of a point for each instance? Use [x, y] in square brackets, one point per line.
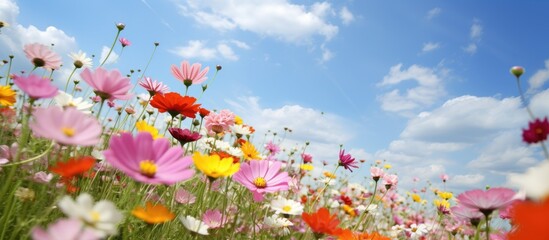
[322, 190]
[112, 47]
[9, 69]
[532, 117]
[68, 80]
[370, 203]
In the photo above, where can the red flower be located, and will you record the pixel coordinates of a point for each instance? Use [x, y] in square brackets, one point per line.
[203, 112]
[527, 218]
[184, 135]
[73, 167]
[175, 104]
[321, 222]
[537, 131]
[347, 200]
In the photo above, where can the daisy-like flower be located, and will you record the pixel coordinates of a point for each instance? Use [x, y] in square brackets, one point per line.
[124, 42]
[249, 151]
[73, 167]
[41, 56]
[65, 229]
[286, 206]
[272, 148]
[487, 201]
[321, 222]
[153, 87]
[68, 127]
[184, 135]
[213, 218]
[7, 96]
[80, 60]
[537, 131]
[106, 84]
[188, 74]
[275, 221]
[219, 122]
[346, 160]
[35, 86]
[153, 213]
[262, 177]
[175, 104]
[194, 225]
[214, 167]
[147, 160]
[142, 126]
[416, 231]
[66, 100]
[102, 217]
[240, 130]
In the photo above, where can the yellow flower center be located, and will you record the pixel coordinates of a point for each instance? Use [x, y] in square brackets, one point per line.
[286, 208]
[260, 182]
[95, 216]
[148, 168]
[69, 132]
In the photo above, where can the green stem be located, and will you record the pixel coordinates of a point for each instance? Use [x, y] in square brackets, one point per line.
[8, 73]
[68, 80]
[112, 47]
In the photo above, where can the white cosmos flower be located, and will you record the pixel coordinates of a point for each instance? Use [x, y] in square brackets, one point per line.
[237, 152]
[102, 217]
[286, 206]
[81, 60]
[194, 225]
[416, 231]
[65, 100]
[240, 129]
[275, 221]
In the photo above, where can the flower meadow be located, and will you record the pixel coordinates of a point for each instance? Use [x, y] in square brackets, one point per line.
[112, 155]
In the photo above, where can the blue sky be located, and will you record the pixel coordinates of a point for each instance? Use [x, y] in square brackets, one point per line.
[424, 86]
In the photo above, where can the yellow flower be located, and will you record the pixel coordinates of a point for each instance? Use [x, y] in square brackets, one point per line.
[416, 198]
[249, 151]
[7, 96]
[213, 166]
[152, 214]
[441, 203]
[238, 120]
[387, 166]
[349, 210]
[329, 175]
[445, 195]
[306, 167]
[142, 126]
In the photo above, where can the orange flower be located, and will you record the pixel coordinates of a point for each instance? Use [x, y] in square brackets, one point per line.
[347, 234]
[175, 104]
[73, 167]
[527, 217]
[321, 222]
[153, 213]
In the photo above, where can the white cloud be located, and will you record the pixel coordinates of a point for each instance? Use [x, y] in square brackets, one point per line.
[539, 78]
[505, 153]
[113, 57]
[433, 13]
[430, 46]
[240, 44]
[197, 49]
[326, 54]
[346, 16]
[475, 35]
[226, 52]
[476, 31]
[273, 18]
[471, 48]
[538, 103]
[427, 92]
[466, 180]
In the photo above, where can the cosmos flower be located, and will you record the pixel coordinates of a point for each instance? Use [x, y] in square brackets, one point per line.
[73, 167]
[321, 222]
[376, 173]
[80, 60]
[486, 201]
[390, 180]
[184, 197]
[417, 230]
[7, 96]
[64, 229]
[175, 104]
[262, 177]
[213, 166]
[307, 158]
[153, 213]
[537, 131]
[124, 42]
[41, 56]
[102, 217]
[153, 87]
[190, 74]
[346, 160]
[68, 127]
[213, 218]
[36, 87]
[283, 205]
[194, 225]
[66, 100]
[184, 135]
[106, 84]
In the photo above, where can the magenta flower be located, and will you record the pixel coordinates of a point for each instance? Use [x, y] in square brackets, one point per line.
[64, 229]
[307, 158]
[35, 86]
[124, 42]
[41, 56]
[487, 201]
[107, 84]
[262, 177]
[213, 218]
[346, 160]
[272, 148]
[153, 87]
[219, 122]
[537, 131]
[190, 74]
[184, 135]
[147, 160]
[68, 127]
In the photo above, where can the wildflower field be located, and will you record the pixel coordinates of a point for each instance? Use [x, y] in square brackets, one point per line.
[94, 159]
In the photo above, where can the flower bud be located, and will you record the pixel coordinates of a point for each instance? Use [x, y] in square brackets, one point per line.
[517, 71]
[120, 26]
[218, 67]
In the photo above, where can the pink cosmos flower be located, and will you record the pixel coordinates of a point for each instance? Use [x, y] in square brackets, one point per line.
[261, 177]
[487, 201]
[67, 127]
[147, 160]
[64, 229]
[219, 122]
[124, 42]
[444, 177]
[153, 87]
[107, 84]
[41, 56]
[42, 177]
[7, 153]
[190, 74]
[213, 218]
[346, 160]
[466, 214]
[272, 148]
[376, 173]
[184, 197]
[35, 86]
[307, 158]
[390, 180]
